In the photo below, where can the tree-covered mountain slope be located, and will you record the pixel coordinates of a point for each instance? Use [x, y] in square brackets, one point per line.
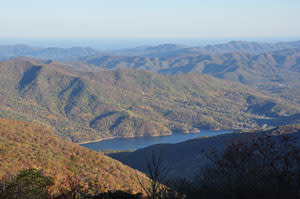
[165, 50]
[26, 145]
[85, 106]
[271, 67]
[277, 72]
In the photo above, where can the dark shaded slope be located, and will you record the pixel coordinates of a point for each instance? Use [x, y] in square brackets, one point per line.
[188, 158]
[29, 76]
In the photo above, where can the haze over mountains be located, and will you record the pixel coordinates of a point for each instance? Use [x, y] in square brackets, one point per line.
[165, 50]
[60, 54]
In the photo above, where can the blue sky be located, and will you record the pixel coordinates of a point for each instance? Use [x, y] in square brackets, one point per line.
[149, 18]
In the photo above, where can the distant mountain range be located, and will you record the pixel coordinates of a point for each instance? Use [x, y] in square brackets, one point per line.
[269, 67]
[276, 72]
[166, 50]
[85, 106]
[59, 54]
[250, 63]
[187, 159]
[163, 50]
[95, 95]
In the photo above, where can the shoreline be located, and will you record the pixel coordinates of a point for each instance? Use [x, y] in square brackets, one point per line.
[97, 140]
[110, 138]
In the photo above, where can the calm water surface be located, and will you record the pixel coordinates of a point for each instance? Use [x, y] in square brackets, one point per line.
[141, 142]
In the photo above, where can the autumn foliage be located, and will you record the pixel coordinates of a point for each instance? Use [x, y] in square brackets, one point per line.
[24, 145]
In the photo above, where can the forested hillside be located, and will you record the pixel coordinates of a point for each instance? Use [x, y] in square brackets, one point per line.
[24, 145]
[85, 106]
[276, 72]
[269, 67]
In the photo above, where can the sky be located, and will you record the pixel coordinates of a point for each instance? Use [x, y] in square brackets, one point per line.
[149, 18]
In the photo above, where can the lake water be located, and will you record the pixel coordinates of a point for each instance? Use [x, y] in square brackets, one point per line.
[141, 142]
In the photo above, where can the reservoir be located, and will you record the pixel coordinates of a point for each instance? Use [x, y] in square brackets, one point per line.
[142, 142]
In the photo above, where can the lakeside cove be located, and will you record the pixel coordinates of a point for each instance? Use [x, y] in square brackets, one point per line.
[141, 142]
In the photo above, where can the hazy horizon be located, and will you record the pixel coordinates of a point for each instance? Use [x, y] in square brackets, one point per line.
[121, 43]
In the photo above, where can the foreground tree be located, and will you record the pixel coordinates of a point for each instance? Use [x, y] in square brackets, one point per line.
[157, 172]
[28, 184]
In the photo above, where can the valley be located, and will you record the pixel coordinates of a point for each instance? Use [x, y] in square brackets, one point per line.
[86, 106]
[145, 105]
[150, 99]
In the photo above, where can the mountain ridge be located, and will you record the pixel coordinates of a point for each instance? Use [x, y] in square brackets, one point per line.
[276, 72]
[86, 106]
